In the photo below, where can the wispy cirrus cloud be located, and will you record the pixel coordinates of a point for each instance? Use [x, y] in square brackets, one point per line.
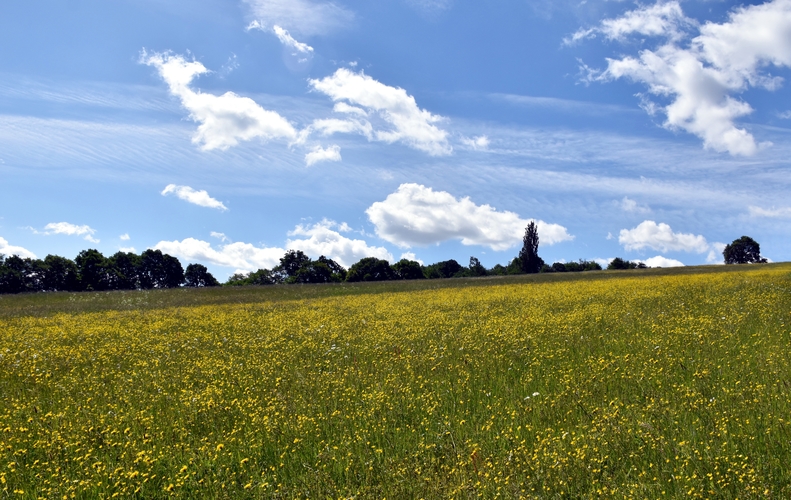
[772, 213]
[305, 17]
[196, 197]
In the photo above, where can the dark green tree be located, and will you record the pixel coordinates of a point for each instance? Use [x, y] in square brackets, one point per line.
[371, 269]
[13, 271]
[60, 274]
[158, 270]
[444, 269]
[407, 269]
[124, 271]
[197, 275]
[529, 260]
[744, 250]
[292, 262]
[93, 270]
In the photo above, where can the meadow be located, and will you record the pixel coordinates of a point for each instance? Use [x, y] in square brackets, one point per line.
[635, 384]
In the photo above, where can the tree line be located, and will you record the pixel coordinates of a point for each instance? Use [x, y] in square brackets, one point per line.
[92, 271]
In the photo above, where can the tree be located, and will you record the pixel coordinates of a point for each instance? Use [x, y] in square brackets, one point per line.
[444, 269]
[371, 269]
[407, 269]
[529, 260]
[292, 262]
[619, 264]
[124, 270]
[92, 268]
[13, 271]
[197, 275]
[744, 250]
[60, 274]
[158, 270]
[476, 268]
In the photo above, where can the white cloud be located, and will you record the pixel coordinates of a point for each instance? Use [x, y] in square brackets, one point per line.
[219, 236]
[225, 119]
[418, 215]
[301, 16]
[408, 123]
[700, 77]
[649, 234]
[200, 198]
[128, 249]
[289, 41]
[324, 238]
[342, 107]
[480, 143]
[632, 206]
[664, 19]
[604, 262]
[317, 154]
[410, 256]
[782, 212]
[71, 230]
[660, 261]
[785, 115]
[715, 254]
[238, 255]
[124, 237]
[8, 250]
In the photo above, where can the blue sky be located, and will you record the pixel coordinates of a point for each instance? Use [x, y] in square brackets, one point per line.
[226, 132]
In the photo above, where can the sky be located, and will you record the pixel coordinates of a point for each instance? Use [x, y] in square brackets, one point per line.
[227, 132]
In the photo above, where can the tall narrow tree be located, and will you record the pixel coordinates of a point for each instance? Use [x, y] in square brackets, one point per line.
[529, 260]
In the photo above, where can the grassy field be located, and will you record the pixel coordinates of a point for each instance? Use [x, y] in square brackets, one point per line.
[639, 384]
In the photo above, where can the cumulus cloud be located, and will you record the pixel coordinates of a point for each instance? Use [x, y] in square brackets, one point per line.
[200, 198]
[649, 234]
[70, 230]
[243, 256]
[317, 154]
[699, 76]
[660, 261]
[219, 236]
[124, 237]
[8, 250]
[225, 119]
[398, 110]
[782, 212]
[418, 215]
[715, 254]
[410, 256]
[325, 238]
[301, 16]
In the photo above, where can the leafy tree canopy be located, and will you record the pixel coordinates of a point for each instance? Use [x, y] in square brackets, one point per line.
[744, 250]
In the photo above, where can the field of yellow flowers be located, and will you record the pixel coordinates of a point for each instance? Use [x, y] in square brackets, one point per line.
[638, 386]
